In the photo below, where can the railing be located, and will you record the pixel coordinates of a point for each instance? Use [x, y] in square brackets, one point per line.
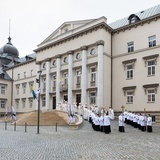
[64, 87]
[93, 83]
[78, 85]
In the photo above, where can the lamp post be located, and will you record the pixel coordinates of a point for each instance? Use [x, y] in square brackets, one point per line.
[38, 81]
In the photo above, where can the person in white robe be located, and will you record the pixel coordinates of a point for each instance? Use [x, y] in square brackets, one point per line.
[101, 122]
[79, 109]
[85, 113]
[6, 113]
[13, 113]
[111, 113]
[121, 121]
[107, 127]
[143, 123]
[149, 123]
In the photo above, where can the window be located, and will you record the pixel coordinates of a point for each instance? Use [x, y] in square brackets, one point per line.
[17, 103]
[130, 97]
[93, 51]
[151, 95]
[93, 74]
[23, 102]
[24, 74]
[43, 101]
[31, 72]
[65, 78]
[65, 60]
[130, 47]
[24, 88]
[92, 98]
[151, 68]
[54, 81]
[78, 56]
[17, 88]
[78, 77]
[54, 63]
[30, 103]
[129, 71]
[44, 84]
[3, 89]
[152, 41]
[2, 104]
[18, 76]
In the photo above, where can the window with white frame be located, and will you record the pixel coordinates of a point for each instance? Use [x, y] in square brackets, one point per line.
[78, 77]
[93, 98]
[24, 74]
[151, 68]
[151, 95]
[24, 88]
[18, 76]
[130, 47]
[65, 78]
[152, 41]
[23, 103]
[17, 103]
[129, 96]
[44, 83]
[129, 71]
[3, 90]
[17, 89]
[31, 72]
[93, 74]
[2, 103]
[54, 81]
[30, 102]
[43, 101]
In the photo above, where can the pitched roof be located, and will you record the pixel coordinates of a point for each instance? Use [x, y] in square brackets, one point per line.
[142, 15]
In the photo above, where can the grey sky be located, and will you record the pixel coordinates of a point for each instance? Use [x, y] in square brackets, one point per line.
[33, 20]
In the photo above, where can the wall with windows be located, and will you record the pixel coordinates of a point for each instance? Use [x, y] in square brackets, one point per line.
[136, 74]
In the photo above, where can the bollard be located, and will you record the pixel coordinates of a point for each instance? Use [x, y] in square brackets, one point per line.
[14, 126]
[25, 127]
[5, 125]
[56, 127]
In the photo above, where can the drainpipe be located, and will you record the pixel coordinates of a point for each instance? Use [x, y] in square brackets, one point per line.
[111, 71]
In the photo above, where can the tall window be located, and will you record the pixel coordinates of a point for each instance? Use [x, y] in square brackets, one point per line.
[30, 103]
[152, 41]
[130, 97]
[93, 74]
[31, 72]
[44, 83]
[24, 74]
[151, 68]
[17, 88]
[17, 103]
[129, 71]
[43, 101]
[54, 81]
[23, 102]
[65, 78]
[151, 95]
[78, 77]
[24, 88]
[130, 47]
[18, 76]
[2, 104]
[92, 98]
[3, 89]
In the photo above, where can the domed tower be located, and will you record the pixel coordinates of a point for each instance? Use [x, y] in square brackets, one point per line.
[8, 53]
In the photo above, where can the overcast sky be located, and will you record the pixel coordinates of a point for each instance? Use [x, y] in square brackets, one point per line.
[34, 20]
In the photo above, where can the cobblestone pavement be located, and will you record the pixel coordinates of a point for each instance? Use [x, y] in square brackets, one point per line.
[82, 144]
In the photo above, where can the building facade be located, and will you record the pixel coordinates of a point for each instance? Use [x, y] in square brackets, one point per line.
[94, 63]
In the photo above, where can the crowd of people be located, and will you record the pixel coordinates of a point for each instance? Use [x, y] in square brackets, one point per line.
[100, 119]
[137, 120]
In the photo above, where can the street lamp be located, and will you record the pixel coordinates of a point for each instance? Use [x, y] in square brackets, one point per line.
[38, 81]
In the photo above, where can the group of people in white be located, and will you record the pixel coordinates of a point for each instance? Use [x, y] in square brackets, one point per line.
[138, 120]
[12, 113]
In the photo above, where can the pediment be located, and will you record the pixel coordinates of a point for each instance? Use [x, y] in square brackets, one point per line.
[65, 28]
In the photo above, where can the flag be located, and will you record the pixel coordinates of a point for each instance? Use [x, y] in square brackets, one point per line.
[33, 93]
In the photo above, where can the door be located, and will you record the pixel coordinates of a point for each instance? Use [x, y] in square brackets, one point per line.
[54, 102]
[78, 99]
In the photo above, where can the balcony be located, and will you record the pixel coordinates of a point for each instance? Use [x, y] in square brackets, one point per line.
[64, 87]
[78, 85]
[54, 89]
[93, 83]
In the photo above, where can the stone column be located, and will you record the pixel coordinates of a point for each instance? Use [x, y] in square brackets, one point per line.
[58, 95]
[38, 68]
[47, 83]
[70, 77]
[84, 75]
[100, 95]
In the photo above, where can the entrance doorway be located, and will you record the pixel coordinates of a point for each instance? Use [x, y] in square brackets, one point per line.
[54, 102]
[65, 98]
[78, 99]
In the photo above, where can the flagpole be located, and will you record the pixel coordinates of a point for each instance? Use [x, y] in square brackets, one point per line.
[38, 117]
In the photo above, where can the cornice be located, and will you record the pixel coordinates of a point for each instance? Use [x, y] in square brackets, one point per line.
[91, 29]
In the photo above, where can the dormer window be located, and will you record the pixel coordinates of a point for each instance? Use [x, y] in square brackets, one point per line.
[133, 18]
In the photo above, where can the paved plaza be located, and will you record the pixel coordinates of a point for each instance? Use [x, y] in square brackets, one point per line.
[82, 144]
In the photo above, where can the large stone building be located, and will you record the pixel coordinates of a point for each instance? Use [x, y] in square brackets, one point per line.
[93, 62]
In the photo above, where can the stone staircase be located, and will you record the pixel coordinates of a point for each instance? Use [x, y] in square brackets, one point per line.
[48, 118]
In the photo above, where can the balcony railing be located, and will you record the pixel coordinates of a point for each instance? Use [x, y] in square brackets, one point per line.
[64, 87]
[93, 83]
[78, 85]
[54, 89]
